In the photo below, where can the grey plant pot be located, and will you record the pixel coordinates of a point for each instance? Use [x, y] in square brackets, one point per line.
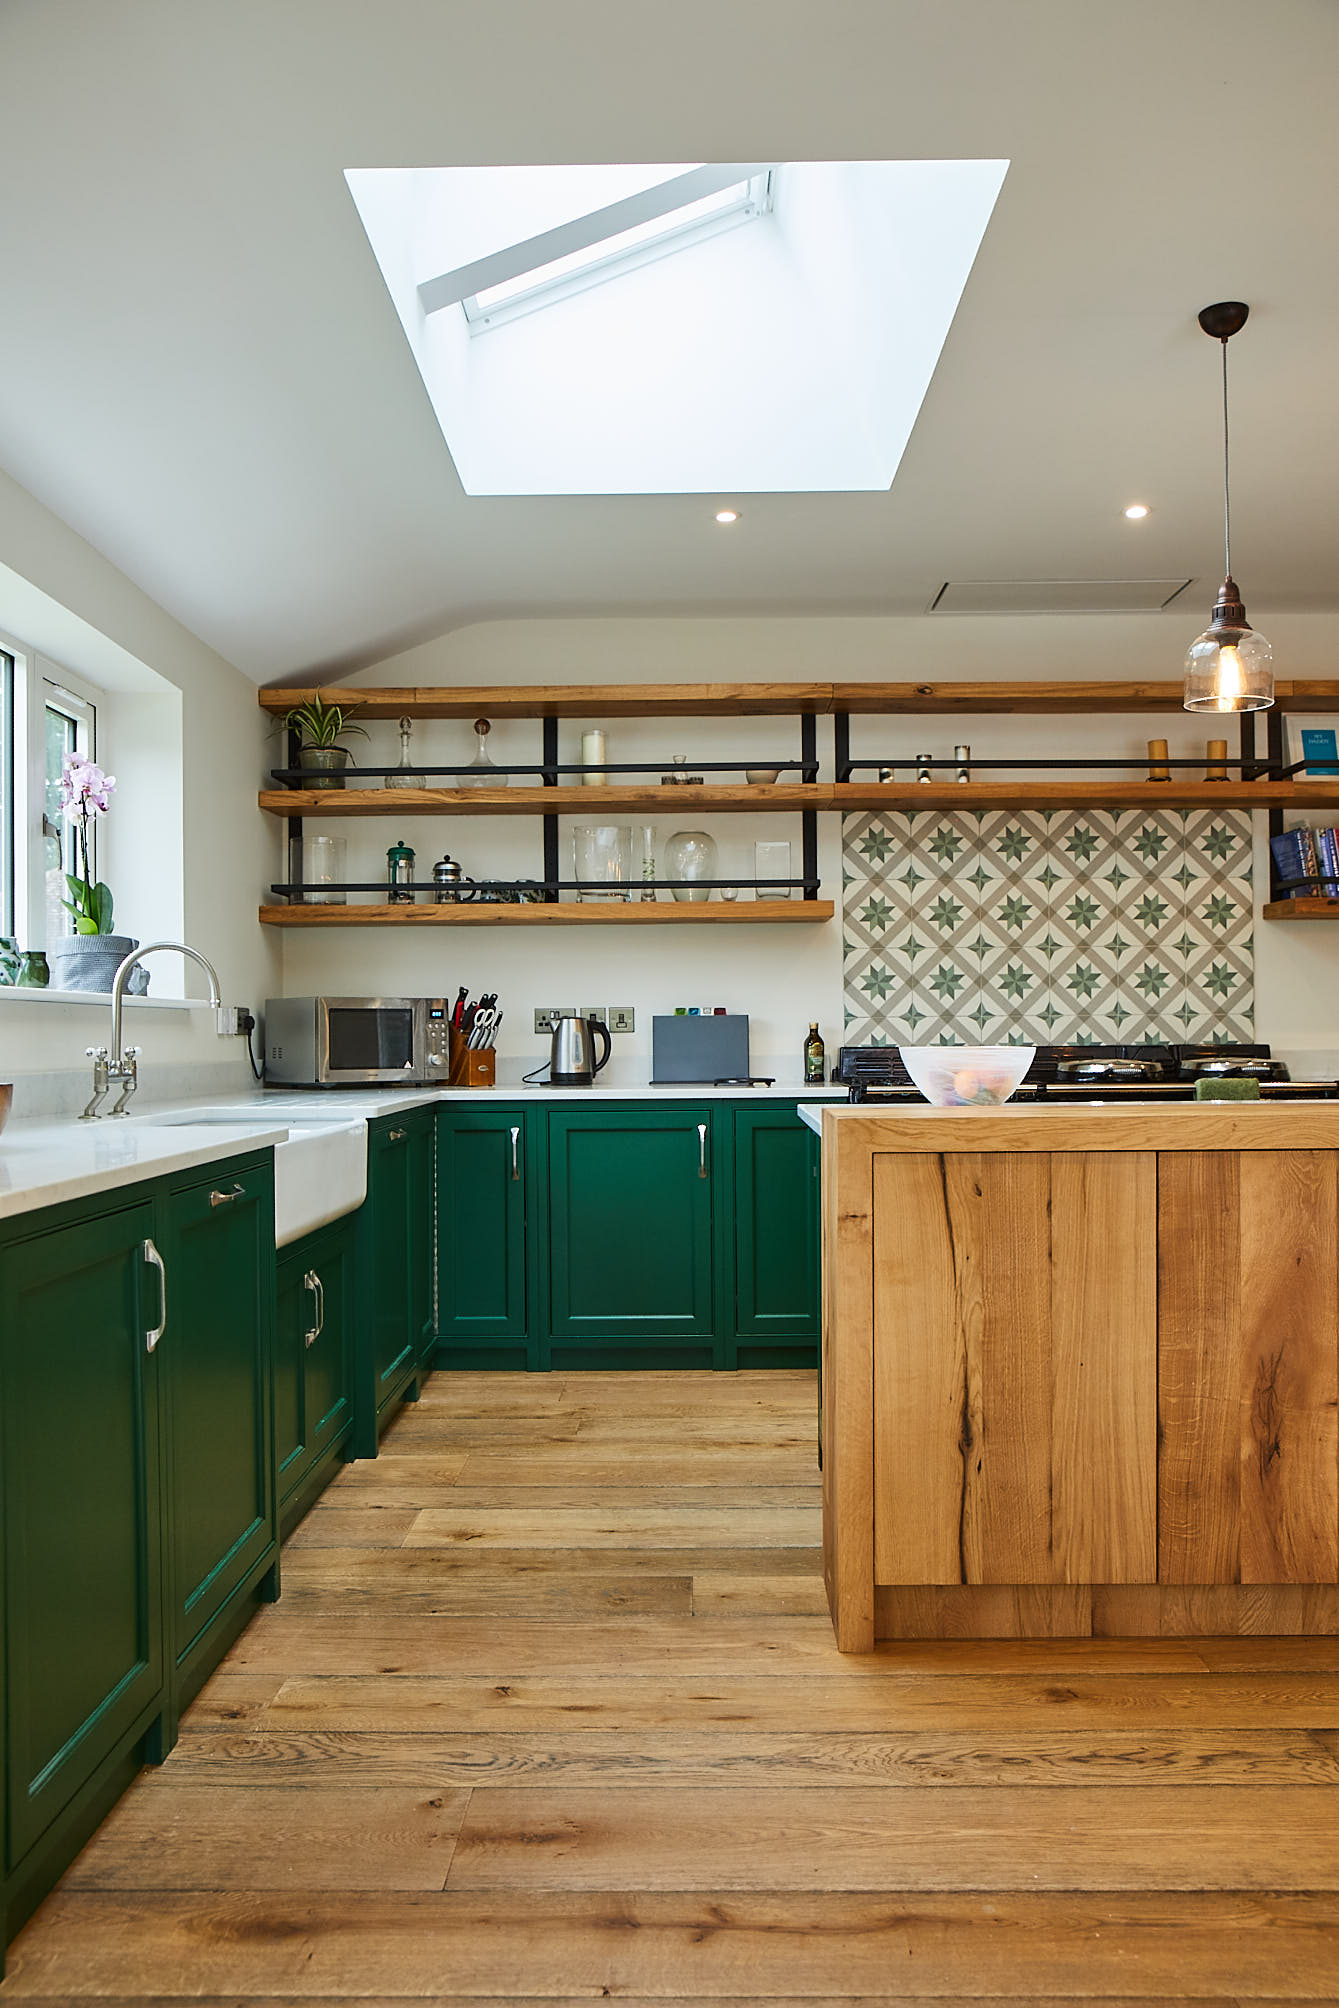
[323, 766]
[90, 961]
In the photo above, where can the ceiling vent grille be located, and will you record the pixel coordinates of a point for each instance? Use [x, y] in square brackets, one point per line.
[1056, 596]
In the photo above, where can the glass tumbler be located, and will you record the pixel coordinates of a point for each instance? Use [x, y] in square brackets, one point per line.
[602, 860]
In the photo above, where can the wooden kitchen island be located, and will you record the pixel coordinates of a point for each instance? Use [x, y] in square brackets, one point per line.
[1081, 1371]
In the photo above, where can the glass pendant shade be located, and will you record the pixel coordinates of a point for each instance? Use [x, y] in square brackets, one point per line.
[1229, 667]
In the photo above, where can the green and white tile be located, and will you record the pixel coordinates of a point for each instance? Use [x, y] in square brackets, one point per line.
[1015, 926]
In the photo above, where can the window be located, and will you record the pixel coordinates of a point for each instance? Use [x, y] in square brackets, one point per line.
[69, 725]
[8, 795]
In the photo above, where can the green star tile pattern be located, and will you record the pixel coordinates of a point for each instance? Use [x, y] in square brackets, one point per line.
[992, 925]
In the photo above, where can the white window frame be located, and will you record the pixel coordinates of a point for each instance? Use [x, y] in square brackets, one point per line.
[10, 821]
[35, 680]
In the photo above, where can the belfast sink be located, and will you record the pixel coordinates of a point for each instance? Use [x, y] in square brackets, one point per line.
[320, 1162]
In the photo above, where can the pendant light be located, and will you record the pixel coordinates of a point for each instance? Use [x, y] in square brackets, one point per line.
[1229, 667]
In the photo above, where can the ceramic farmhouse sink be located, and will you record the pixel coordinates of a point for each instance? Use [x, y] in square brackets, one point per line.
[320, 1166]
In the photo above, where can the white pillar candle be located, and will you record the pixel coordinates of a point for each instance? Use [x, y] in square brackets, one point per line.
[593, 755]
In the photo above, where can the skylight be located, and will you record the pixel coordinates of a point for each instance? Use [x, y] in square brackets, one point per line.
[788, 356]
[606, 256]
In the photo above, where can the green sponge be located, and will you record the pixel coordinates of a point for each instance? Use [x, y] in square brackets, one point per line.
[1228, 1088]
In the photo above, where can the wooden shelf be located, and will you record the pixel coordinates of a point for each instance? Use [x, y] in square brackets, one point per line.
[565, 914]
[1092, 794]
[777, 700]
[576, 700]
[594, 804]
[1307, 907]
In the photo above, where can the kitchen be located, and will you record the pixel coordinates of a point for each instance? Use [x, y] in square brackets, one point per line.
[561, 1652]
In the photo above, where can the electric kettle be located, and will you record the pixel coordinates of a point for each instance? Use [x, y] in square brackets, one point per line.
[571, 1062]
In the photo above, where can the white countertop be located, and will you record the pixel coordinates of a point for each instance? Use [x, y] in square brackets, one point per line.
[45, 1162]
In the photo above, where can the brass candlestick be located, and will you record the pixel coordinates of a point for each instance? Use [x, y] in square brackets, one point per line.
[1158, 770]
[1216, 751]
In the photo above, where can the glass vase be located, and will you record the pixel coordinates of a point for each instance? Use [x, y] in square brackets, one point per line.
[690, 855]
[602, 860]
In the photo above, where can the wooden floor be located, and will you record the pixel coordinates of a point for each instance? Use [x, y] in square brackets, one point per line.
[550, 1711]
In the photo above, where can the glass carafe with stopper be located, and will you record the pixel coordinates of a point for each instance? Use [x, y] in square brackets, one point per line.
[404, 775]
[481, 773]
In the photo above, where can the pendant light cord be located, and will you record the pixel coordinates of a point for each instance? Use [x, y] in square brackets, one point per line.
[1227, 486]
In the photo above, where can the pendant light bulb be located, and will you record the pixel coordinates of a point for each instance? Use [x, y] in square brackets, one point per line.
[1229, 667]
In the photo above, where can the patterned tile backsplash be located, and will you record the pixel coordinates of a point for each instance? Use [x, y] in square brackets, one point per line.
[1014, 927]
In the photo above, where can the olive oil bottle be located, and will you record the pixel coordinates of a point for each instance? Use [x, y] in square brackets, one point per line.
[814, 1057]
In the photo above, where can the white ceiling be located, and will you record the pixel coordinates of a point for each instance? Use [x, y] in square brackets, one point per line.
[201, 371]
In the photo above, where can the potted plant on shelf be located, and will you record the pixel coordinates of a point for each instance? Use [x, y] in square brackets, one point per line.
[321, 758]
[87, 959]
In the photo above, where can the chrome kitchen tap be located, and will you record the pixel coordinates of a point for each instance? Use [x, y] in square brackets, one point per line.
[119, 1065]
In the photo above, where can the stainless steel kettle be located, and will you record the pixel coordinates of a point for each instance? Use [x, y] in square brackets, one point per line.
[571, 1062]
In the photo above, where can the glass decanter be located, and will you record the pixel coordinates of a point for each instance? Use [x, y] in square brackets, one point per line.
[404, 775]
[481, 773]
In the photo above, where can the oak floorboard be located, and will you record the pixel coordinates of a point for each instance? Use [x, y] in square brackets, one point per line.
[294, 1846]
[1098, 1837]
[558, 1524]
[578, 1757]
[782, 1944]
[218, 1836]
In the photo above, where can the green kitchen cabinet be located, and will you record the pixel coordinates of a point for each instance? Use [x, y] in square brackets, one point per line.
[217, 1358]
[396, 1317]
[485, 1179]
[631, 1199]
[313, 1392]
[82, 1536]
[775, 1234]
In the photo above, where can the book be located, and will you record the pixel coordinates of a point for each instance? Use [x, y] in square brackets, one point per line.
[1297, 861]
[1327, 842]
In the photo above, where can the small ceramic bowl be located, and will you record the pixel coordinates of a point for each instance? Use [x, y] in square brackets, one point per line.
[761, 777]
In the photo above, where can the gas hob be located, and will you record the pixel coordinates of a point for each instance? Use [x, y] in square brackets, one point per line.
[1061, 1075]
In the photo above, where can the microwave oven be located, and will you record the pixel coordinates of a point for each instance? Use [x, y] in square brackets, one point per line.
[356, 1042]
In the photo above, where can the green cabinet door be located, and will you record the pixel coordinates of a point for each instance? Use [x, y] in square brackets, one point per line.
[216, 1356]
[775, 1224]
[630, 1233]
[313, 1331]
[396, 1321]
[482, 1183]
[82, 1528]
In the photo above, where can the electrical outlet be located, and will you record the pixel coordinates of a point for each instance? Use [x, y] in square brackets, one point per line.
[547, 1015]
[597, 1011]
[622, 1018]
[228, 1020]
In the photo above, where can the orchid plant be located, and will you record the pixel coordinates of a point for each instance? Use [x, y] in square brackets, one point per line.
[85, 794]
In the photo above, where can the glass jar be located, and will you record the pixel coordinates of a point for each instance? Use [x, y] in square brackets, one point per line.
[690, 855]
[602, 860]
[323, 870]
[771, 860]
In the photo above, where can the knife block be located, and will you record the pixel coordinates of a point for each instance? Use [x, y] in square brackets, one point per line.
[466, 1069]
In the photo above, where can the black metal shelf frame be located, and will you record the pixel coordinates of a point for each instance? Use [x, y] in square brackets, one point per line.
[550, 770]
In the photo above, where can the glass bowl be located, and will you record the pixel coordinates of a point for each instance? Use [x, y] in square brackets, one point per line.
[955, 1077]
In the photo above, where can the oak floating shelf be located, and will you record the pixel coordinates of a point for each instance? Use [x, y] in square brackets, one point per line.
[592, 803]
[775, 700]
[568, 913]
[1307, 907]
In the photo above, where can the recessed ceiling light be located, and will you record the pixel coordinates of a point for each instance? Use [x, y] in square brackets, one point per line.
[727, 515]
[1137, 512]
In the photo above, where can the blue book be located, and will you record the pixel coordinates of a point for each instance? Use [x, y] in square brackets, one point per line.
[1321, 753]
[1328, 842]
[1297, 861]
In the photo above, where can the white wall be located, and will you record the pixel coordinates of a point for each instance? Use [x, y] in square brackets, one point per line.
[61, 596]
[782, 975]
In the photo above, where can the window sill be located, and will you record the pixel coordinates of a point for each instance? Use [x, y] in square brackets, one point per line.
[10, 992]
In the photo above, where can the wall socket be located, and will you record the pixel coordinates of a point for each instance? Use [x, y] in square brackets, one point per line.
[547, 1015]
[622, 1018]
[228, 1020]
[599, 1012]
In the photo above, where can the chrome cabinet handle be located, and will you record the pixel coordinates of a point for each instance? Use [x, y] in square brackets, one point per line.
[396, 1136]
[702, 1150]
[217, 1198]
[515, 1150]
[155, 1332]
[311, 1281]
